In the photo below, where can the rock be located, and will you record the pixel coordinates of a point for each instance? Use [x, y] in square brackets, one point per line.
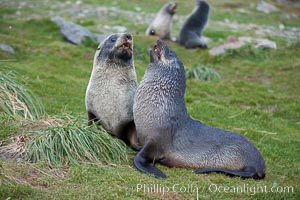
[281, 27]
[72, 32]
[264, 43]
[119, 29]
[266, 7]
[75, 33]
[205, 39]
[7, 48]
[231, 43]
[100, 37]
[236, 43]
[289, 2]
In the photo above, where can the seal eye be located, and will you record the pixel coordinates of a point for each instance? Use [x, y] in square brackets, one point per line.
[152, 32]
[113, 39]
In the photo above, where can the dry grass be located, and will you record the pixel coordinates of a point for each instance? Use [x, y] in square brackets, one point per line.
[16, 100]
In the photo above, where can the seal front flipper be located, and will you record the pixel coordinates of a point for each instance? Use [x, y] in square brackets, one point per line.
[129, 136]
[144, 162]
[91, 118]
[247, 172]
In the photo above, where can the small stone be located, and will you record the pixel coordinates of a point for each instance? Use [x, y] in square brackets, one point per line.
[236, 43]
[281, 27]
[120, 29]
[264, 43]
[138, 9]
[78, 2]
[7, 48]
[266, 7]
[232, 39]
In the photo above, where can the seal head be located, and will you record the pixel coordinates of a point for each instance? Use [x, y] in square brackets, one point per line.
[116, 47]
[162, 54]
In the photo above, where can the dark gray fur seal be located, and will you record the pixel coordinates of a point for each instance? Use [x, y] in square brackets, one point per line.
[171, 137]
[191, 31]
[112, 86]
[162, 24]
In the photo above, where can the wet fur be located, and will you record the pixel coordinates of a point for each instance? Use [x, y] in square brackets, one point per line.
[171, 137]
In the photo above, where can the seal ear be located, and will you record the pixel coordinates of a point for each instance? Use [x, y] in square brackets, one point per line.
[99, 50]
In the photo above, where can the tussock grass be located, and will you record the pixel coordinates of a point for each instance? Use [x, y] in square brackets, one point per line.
[17, 101]
[5, 180]
[74, 143]
[14, 148]
[201, 73]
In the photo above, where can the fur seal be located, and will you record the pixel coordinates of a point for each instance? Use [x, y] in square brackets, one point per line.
[191, 31]
[112, 86]
[162, 24]
[171, 137]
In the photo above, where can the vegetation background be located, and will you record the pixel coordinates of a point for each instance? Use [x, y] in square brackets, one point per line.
[257, 95]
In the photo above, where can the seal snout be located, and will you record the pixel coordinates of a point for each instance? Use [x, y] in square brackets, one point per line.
[128, 36]
[126, 43]
[157, 48]
[173, 7]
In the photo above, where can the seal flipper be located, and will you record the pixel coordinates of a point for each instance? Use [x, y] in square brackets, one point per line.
[145, 162]
[247, 172]
[91, 118]
[129, 136]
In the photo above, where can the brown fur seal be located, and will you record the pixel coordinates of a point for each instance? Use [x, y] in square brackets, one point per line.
[162, 24]
[112, 86]
[191, 31]
[171, 137]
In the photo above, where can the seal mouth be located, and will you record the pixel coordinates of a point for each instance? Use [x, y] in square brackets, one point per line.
[173, 8]
[157, 50]
[125, 46]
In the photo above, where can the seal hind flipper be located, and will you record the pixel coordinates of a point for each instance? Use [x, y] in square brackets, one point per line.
[147, 167]
[145, 162]
[247, 172]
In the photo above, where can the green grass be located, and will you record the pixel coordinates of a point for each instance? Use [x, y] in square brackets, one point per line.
[201, 73]
[16, 101]
[74, 143]
[257, 95]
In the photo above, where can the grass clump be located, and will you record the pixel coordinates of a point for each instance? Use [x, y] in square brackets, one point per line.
[74, 143]
[4, 180]
[17, 101]
[201, 73]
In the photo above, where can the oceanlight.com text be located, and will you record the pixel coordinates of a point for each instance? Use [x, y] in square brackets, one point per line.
[212, 188]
